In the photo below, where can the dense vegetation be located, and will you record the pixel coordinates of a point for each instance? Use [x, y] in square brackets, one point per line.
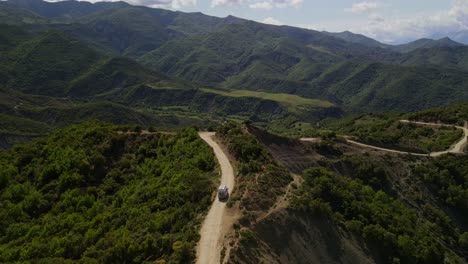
[232, 58]
[454, 114]
[394, 209]
[385, 130]
[391, 228]
[227, 53]
[447, 178]
[93, 194]
[54, 65]
[25, 117]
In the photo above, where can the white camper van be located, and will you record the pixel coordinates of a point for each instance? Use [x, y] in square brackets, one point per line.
[223, 192]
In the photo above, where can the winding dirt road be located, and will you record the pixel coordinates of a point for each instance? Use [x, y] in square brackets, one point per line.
[211, 234]
[455, 148]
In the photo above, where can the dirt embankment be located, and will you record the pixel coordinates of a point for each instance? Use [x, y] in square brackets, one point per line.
[290, 237]
[283, 235]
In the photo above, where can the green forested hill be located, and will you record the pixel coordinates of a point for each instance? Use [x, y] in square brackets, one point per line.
[61, 67]
[448, 57]
[12, 15]
[101, 193]
[63, 10]
[235, 53]
[344, 204]
[56, 65]
[86, 52]
[46, 64]
[89, 193]
[378, 86]
[135, 30]
[386, 130]
[358, 38]
[427, 43]
[349, 205]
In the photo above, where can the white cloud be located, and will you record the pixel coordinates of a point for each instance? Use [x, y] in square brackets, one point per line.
[434, 25]
[459, 11]
[262, 5]
[176, 4]
[225, 2]
[272, 21]
[363, 7]
[259, 4]
[392, 27]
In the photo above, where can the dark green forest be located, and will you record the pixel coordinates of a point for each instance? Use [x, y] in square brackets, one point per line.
[394, 231]
[85, 191]
[93, 193]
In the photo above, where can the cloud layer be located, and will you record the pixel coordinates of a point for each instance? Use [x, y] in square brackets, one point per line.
[401, 29]
[388, 25]
[272, 21]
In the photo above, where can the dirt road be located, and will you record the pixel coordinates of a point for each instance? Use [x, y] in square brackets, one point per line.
[383, 149]
[211, 234]
[455, 148]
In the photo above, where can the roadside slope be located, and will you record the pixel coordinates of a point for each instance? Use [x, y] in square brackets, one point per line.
[211, 234]
[455, 148]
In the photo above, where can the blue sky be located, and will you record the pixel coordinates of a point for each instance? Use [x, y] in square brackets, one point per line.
[391, 21]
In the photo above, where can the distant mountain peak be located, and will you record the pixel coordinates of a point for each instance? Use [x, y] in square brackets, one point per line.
[450, 41]
[427, 43]
[232, 19]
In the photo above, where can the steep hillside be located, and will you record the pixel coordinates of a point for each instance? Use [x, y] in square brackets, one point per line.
[114, 73]
[224, 53]
[89, 193]
[358, 38]
[25, 117]
[119, 88]
[233, 53]
[345, 204]
[12, 15]
[454, 114]
[377, 87]
[135, 30]
[46, 64]
[447, 57]
[387, 131]
[56, 65]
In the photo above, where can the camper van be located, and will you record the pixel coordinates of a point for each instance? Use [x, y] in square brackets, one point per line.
[223, 192]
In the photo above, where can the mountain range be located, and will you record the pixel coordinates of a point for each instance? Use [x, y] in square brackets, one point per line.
[320, 137]
[147, 59]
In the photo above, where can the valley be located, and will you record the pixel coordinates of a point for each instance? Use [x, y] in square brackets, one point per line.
[119, 122]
